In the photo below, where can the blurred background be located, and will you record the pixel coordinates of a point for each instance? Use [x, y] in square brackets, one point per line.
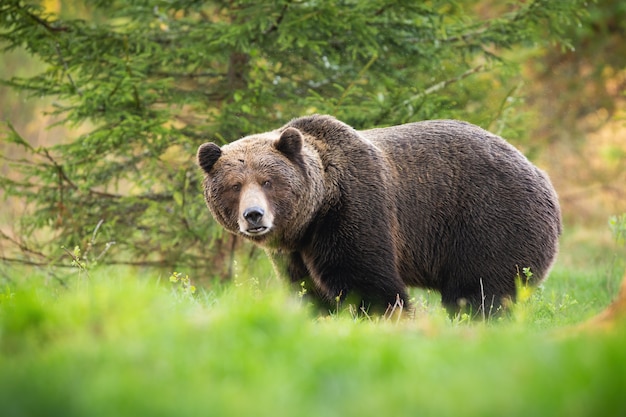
[557, 93]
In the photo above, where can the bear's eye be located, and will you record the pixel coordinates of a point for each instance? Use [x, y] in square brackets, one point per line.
[266, 184]
[236, 187]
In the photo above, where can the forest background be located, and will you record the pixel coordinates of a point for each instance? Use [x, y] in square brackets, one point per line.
[104, 104]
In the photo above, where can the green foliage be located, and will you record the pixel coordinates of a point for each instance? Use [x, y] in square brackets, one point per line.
[185, 286]
[147, 82]
[120, 344]
[585, 76]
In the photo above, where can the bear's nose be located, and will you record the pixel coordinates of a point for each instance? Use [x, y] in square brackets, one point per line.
[253, 215]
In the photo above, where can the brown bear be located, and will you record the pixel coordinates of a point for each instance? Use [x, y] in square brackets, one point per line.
[439, 204]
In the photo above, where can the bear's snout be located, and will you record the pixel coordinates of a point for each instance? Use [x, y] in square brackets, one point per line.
[255, 217]
[255, 221]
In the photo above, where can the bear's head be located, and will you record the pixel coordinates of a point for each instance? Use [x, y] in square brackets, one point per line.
[263, 186]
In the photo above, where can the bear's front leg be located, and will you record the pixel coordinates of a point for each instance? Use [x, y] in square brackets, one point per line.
[289, 266]
[354, 276]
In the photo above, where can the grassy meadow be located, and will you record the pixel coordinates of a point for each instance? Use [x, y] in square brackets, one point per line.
[115, 341]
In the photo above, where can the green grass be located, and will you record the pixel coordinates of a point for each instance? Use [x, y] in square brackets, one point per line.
[123, 342]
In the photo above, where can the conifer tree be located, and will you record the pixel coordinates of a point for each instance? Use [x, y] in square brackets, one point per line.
[153, 79]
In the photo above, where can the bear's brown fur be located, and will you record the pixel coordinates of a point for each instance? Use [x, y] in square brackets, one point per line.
[364, 214]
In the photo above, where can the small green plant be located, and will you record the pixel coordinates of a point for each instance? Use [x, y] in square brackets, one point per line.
[527, 273]
[84, 260]
[552, 308]
[77, 261]
[338, 303]
[524, 291]
[302, 292]
[183, 283]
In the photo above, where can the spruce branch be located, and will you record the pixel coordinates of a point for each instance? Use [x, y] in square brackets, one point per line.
[443, 84]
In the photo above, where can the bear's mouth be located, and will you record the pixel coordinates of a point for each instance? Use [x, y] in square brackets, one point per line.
[256, 231]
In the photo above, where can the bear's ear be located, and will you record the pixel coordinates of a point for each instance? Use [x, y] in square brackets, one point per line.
[208, 154]
[290, 142]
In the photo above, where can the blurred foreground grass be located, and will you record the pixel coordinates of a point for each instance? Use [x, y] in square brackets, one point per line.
[124, 342]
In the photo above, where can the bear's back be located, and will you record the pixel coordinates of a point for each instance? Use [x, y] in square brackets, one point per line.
[454, 159]
[446, 144]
